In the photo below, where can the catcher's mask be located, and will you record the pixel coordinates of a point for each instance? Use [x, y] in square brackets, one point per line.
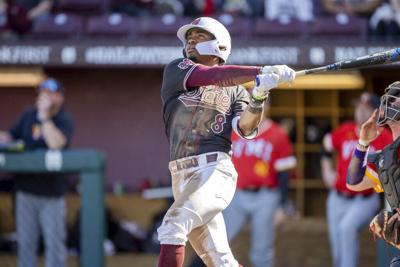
[389, 109]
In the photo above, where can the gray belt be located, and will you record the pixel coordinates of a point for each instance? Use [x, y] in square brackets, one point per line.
[193, 162]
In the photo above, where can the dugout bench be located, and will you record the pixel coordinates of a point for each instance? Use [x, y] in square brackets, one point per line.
[91, 166]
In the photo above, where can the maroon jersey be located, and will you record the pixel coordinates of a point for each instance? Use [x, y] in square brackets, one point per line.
[344, 141]
[198, 120]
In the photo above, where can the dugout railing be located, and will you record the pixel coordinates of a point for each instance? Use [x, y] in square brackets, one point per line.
[90, 164]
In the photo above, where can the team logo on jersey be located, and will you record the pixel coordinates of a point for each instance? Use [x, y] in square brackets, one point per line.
[261, 169]
[196, 21]
[258, 148]
[36, 131]
[185, 63]
[212, 97]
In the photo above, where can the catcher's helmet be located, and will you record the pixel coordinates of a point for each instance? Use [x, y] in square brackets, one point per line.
[220, 46]
[389, 108]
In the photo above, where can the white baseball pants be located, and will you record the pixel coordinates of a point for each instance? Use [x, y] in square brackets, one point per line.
[202, 186]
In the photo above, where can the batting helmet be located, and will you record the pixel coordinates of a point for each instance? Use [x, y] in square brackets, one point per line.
[220, 46]
[389, 108]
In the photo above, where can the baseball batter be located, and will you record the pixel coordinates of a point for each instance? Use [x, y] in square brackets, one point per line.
[202, 103]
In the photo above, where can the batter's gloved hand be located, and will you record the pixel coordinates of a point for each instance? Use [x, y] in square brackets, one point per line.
[286, 74]
[264, 83]
[386, 225]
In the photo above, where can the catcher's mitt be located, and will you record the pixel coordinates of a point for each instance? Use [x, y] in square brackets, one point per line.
[386, 225]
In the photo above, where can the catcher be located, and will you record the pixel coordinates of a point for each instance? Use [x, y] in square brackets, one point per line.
[381, 170]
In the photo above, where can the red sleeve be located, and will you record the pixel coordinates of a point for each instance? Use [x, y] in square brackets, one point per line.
[225, 75]
[283, 152]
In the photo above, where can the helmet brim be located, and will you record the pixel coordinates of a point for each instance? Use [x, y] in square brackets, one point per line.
[181, 33]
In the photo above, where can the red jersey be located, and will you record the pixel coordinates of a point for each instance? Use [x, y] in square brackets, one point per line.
[257, 161]
[344, 141]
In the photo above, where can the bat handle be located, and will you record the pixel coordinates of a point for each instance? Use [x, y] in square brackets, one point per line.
[300, 73]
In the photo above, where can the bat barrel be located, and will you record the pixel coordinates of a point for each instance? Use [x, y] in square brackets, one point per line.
[368, 60]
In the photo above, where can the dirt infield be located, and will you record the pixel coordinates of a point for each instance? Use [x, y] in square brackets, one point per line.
[302, 243]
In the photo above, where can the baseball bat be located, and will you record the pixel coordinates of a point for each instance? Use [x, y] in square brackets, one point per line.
[380, 58]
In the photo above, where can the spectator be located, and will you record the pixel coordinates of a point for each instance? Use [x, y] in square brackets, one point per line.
[40, 204]
[202, 7]
[237, 7]
[351, 7]
[173, 7]
[37, 9]
[4, 27]
[3, 14]
[139, 8]
[286, 10]
[22, 14]
[257, 7]
[385, 21]
[348, 211]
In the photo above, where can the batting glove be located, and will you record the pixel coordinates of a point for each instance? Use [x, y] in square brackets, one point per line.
[286, 74]
[264, 83]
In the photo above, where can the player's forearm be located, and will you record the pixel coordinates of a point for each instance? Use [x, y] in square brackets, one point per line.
[283, 182]
[357, 167]
[42, 8]
[328, 171]
[249, 120]
[53, 137]
[226, 75]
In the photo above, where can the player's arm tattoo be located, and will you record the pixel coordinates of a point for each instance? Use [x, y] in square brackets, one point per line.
[255, 106]
[254, 110]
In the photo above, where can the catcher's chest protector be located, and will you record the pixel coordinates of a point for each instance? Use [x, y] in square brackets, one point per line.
[389, 173]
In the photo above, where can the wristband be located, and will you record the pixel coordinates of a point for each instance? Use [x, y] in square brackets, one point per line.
[255, 106]
[362, 145]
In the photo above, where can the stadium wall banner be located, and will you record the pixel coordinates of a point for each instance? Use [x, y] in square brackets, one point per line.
[90, 55]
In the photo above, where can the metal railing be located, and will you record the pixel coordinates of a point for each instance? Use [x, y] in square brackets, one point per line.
[91, 166]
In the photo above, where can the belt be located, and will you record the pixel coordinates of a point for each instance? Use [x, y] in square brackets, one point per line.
[192, 162]
[252, 189]
[348, 196]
